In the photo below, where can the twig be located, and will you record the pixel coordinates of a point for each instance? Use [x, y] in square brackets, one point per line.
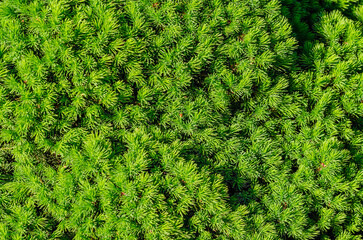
[7, 148]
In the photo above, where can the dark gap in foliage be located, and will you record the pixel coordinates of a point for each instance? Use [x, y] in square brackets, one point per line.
[6, 165]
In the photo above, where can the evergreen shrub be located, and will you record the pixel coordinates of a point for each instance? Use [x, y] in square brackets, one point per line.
[188, 119]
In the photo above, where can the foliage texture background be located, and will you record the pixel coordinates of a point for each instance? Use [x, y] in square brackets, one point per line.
[198, 119]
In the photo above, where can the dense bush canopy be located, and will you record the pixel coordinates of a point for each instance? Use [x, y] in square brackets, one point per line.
[198, 119]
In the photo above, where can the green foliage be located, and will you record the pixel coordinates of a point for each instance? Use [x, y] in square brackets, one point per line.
[181, 119]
